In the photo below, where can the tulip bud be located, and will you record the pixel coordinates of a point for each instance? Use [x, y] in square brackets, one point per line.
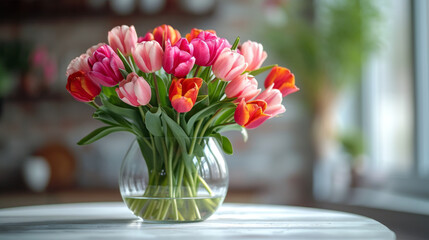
[79, 64]
[183, 93]
[283, 80]
[134, 90]
[123, 38]
[251, 114]
[229, 65]
[105, 64]
[90, 51]
[164, 33]
[273, 98]
[148, 56]
[178, 59]
[147, 37]
[207, 47]
[81, 87]
[195, 32]
[243, 86]
[254, 54]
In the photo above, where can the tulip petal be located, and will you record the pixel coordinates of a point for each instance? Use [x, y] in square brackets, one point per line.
[182, 104]
[241, 115]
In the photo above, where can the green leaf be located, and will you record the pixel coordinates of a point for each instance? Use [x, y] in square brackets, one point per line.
[212, 86]
[235, 45]
[180, 135]
[109, 91]
[99, 133]
[116, 108]
[244, 134]
[227, 146]
[225, 115]
[183, 121]
[102, 114]
[207, 112]
[224, 143]
[200, 104]
[228, 128]
[163, 92]
[153, 122]
[206, 73]
[261, 70]
[125, 62]
[124, 73]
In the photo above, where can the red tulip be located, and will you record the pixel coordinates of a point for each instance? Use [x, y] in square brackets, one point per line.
[251, 114]
[81, 87]
[183, 93]
[165, 32]
[283, 80]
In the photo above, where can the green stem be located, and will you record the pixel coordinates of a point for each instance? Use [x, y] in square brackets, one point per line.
[158, 99]
[206, 186]
[180, 179]
[197, 70]
[178, 118]
[194, 139]
[170, 180]
[141, 112]
[93, 104]
[207, 125]
[132, 64]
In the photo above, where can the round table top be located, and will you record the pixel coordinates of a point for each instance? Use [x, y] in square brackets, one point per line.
[232, 221]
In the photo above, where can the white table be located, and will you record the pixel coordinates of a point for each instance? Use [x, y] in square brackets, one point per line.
[233, 221]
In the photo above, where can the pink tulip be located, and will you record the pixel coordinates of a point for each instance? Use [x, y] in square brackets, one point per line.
[243, 86]
[79, 64]
[148, 56]
[105, 65]
[178, 59]
[90, 51]
[147, 37]
[134, 90]
[273, 98]
[123, 38]
[254, 54]
[229, 65]
[207, 47]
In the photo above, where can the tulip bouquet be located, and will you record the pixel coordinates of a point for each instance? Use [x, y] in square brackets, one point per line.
[170, 92]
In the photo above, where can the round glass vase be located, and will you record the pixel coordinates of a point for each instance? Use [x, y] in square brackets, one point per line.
[173, 180]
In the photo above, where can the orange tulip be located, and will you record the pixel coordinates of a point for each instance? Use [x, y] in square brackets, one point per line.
[251, 114]
[195, 32]
[165, 32]
[81, 87]
[283, 80]
[183, 93]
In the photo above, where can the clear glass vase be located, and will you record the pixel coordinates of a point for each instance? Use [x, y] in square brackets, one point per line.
[173, 180]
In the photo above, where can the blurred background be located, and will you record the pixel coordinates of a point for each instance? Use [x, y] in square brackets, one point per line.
[355, 138]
